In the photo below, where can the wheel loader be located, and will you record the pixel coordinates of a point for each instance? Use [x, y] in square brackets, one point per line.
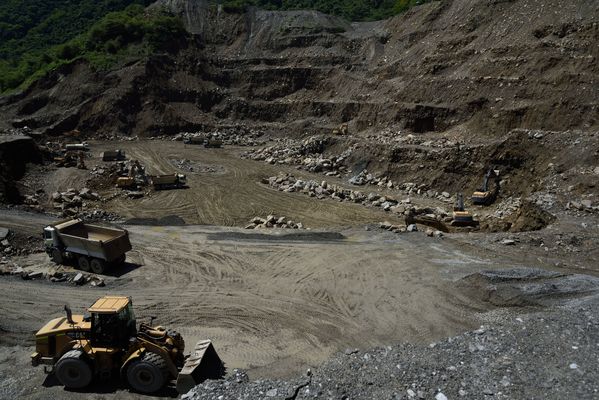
[106, 342]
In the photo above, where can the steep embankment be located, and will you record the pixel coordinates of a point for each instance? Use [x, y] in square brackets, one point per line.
[484, 66]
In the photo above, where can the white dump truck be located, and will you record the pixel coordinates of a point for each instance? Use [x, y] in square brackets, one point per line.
[95, 248]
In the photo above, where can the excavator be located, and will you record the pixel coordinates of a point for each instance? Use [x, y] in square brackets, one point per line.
[106, 341]
[462, 217]
[484, 196]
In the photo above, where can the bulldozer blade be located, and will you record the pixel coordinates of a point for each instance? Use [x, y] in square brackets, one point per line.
[203, 363]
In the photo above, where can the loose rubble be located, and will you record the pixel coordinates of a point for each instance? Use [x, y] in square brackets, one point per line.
[53, 275]
[272, 221]
[499, 360]
[322, 190]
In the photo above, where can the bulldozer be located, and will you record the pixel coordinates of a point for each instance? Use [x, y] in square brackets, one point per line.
[106, 342]
[484, 196]
[340, 130]
[462, 217]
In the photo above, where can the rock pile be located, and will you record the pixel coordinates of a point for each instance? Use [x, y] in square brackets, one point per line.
[306, 155]
[321, 190]
[100, 215]
[71, 202]
[365, 178]
[76, 278]
[272, 221]
[229, 136]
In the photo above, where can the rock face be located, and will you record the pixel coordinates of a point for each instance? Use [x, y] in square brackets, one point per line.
[306, 71]
[15, 152]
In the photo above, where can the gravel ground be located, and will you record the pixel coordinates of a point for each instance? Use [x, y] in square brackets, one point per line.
[519, 354]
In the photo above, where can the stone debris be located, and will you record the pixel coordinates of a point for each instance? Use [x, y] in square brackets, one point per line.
[238, 136]
[306, 154]
[71, 202]
[322, 190]
[272, 221]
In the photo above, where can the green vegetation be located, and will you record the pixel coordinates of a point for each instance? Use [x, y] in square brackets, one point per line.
[353, 10]
[37, 36]
[36, 40]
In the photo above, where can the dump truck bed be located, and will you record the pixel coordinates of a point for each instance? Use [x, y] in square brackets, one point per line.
[94, 241]
[164, 179]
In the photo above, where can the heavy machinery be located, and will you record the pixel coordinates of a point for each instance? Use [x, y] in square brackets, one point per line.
[484, 196]
[71, 158]
[95, 248]
[113, 155]
[106, 342]
[341, 130]
[170, 181]
[213, 143]
[462, 217]
[77, 147]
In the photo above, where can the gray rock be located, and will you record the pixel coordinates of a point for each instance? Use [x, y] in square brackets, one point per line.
[79, 279]
[412, 228]
[587, 203]
[508, 242]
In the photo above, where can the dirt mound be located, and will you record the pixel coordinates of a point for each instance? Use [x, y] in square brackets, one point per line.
[530, 217]
[529, 287]
[15, 153]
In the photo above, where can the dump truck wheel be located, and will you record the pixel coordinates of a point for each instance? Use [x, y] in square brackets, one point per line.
[97, 266]
[57, 256]
[148, 373]
[72, 370]
[84, 264]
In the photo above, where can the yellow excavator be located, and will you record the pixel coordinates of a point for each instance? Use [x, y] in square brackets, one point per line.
[484, 196]
[461, 217]
[106, 342]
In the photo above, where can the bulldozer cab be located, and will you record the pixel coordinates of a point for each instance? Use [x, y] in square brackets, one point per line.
[112, 322]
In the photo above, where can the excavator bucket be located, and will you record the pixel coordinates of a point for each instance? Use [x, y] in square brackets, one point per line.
[203, 363]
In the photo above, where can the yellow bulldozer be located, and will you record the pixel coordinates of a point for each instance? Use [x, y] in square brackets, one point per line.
[106, 342]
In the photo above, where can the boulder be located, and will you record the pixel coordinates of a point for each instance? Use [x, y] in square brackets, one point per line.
[79, 279]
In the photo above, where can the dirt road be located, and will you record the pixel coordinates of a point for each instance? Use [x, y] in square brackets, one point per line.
[231, 195]
[272, 304]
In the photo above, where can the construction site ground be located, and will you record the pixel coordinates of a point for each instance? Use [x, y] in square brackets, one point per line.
[274, 302]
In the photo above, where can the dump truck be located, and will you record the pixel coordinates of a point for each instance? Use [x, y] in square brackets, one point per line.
[113, 155]
[105, 340]
[95, 248]
[76, 147]
[170, 181]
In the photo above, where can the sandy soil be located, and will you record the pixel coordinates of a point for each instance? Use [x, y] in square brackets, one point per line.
[271, 304]
[274, 302]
